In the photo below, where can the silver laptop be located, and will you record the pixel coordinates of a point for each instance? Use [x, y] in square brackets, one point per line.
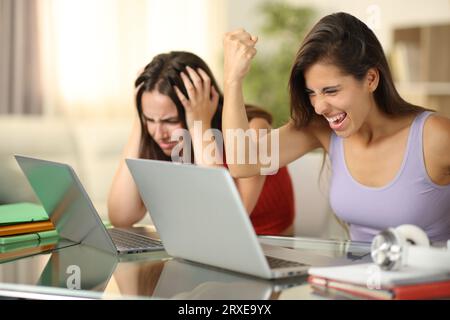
[200, 217]
[72, 213]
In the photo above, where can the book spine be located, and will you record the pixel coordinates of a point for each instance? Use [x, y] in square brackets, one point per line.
[433, 290]
[356, 291]
[424, 291]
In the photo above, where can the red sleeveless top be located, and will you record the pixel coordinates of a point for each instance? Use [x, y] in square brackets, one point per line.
[274, 211]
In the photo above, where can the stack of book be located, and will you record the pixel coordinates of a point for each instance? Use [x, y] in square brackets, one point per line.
[25, 229]
[368, 281]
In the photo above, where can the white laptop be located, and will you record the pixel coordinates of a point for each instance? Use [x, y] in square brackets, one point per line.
[72, 213]
[200, 217]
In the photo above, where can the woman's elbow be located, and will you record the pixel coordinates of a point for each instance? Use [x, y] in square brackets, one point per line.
[235, 173]
[239, 171]
[122, 217]
[119, 220]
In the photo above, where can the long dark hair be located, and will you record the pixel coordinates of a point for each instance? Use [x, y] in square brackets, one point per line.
[346, 42]
[161, 74]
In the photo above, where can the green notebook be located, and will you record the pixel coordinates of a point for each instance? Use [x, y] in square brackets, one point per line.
[27, 212]
[8, 240]
[23, 240]
[21, 213]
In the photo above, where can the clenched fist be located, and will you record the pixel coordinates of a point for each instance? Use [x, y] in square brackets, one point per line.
[239, 50]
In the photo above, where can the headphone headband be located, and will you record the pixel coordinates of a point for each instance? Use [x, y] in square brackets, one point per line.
[427, 257]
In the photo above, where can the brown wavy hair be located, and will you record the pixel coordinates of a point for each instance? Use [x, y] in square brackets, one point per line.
[162, 74]
[346, 42]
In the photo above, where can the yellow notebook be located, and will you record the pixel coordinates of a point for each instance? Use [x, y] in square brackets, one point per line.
[29, 227]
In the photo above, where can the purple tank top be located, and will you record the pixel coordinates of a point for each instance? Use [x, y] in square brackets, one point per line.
[410, 198]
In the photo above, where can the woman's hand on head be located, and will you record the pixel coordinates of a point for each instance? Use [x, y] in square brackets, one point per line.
[202, 100]
[239, 50]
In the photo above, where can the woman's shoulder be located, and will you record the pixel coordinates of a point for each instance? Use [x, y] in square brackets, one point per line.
[436, 135]
[317, 133]
[438, 126]
[316, 126]
[259, 123]
[257, 112]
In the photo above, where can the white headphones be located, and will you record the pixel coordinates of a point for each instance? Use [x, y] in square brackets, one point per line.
[407, 245]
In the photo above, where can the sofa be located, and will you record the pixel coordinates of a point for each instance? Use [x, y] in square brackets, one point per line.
[92, 147]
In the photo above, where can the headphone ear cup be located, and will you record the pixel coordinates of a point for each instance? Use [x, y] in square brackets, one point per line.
[413, 234]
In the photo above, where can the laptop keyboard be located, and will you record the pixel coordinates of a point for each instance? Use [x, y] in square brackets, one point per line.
[275, 263]
[128, 241]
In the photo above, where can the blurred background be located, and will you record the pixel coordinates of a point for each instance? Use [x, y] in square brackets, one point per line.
[67, 69]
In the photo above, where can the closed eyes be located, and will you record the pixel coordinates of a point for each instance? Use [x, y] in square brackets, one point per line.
[164, 121]
[327, 91]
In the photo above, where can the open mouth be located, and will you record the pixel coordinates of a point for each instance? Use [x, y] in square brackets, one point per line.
[337, 120]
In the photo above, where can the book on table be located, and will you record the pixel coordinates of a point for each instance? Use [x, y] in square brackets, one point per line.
[22, 212]
[38, 243]
[25, 229]
[368, 281]
[20, 220]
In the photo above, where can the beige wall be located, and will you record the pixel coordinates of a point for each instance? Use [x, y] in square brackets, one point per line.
[393, 13]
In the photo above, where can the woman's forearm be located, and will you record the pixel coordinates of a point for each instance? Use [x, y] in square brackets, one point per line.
[235, 125]
[239, 50]
[125, 206]
[234, 114]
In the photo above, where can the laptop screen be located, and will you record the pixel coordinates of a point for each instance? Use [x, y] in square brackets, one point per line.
[66, 202]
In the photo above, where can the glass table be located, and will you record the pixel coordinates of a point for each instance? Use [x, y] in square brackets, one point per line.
[81, 272]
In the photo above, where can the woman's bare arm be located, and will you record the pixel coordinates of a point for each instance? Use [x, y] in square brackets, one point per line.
[251, 188]
[286, 144]
[125, 206]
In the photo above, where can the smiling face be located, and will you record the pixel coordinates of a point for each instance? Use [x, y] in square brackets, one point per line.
[343, 100]
[161, 117]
